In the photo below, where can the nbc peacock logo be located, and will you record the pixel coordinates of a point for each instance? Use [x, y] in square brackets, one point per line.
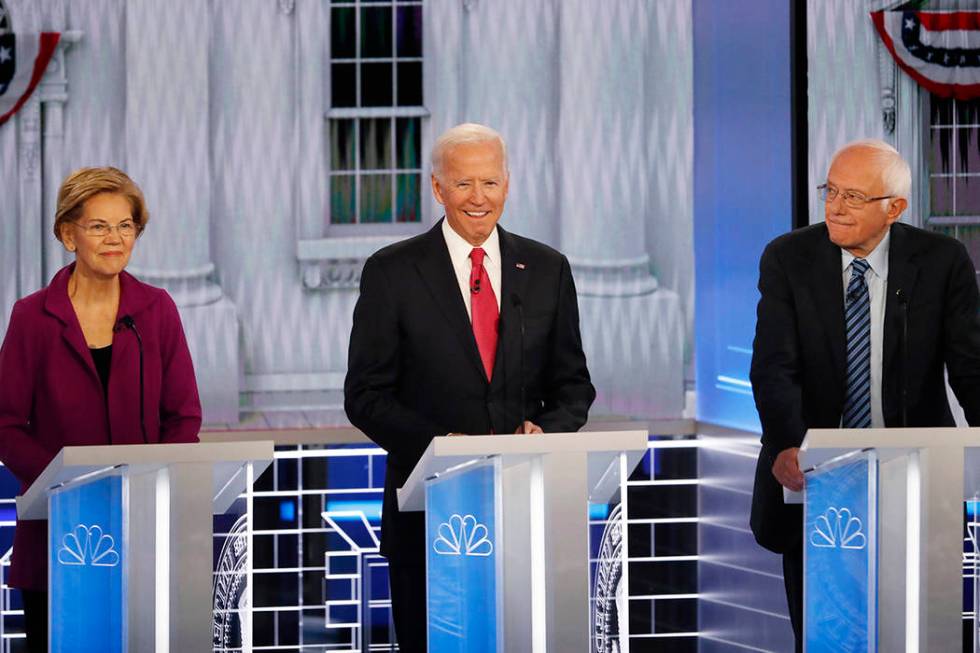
[837, 528]
[88, 546]
[463, 535]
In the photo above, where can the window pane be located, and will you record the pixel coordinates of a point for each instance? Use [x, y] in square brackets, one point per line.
[343, 85]
[409, 198]
[342, 143]
[409, 31]
[375, 198]
[942, 111]
[941, 193]
[967, 112]
[376, 32]
[940, 157]
[376, 85]
[409, 143]
[342, 209]
[343, 31]
[410, 84]
[375, 143]
[968, 196]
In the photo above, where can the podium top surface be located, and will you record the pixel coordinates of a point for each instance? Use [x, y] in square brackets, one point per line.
[489, 445]
[904, 438]
[71, 463]
[445, 453]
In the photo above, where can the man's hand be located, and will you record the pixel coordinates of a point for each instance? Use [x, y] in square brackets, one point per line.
[528, 428]
[786, 469]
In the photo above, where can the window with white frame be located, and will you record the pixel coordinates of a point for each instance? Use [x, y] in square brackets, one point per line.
[376, 110]
[954, 171]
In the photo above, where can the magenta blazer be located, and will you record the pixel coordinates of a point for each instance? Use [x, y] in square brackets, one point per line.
[51, 395]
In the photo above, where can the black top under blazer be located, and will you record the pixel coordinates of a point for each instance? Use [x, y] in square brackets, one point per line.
[414, 370]
[799, 358]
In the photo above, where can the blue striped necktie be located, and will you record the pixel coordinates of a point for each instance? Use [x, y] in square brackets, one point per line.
[857, 401]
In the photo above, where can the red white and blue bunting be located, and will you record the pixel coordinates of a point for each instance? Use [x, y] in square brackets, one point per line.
[939, 49]
[23, 60]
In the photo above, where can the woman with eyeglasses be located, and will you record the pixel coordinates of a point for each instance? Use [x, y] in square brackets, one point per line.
[70, 368]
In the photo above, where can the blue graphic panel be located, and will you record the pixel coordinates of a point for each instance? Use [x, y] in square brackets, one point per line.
[742, 188]
[841, 584]
[85, 546]
[461, 562]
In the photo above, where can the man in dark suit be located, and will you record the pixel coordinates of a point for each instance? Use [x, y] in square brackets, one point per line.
[868, 356]
[452, 330]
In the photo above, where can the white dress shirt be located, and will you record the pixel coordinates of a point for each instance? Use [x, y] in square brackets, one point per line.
[459, 254]
[877, 279]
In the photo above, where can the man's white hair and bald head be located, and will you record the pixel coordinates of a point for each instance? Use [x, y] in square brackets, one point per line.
[896, 176]
[464, 134]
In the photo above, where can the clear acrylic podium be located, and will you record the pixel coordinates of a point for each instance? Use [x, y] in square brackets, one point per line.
[507, 535]
[130, 554]
[883, 538]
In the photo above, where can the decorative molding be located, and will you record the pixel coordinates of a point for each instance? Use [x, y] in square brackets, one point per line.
[190, 287]
[617, 278]
[887, 74]
[336, 263]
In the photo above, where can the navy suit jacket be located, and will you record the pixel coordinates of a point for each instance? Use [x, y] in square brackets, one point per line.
[799, 357]
[414, 370]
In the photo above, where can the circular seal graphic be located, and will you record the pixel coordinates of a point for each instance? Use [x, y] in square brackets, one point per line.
[607, 590]
[231, 625]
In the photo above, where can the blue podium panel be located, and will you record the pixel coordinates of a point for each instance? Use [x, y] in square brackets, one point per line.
[840, 550]
[86, 563]
[461, 562]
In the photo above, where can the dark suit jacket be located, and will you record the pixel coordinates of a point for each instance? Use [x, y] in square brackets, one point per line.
[414, 371]
[799, 354]
[51, 395]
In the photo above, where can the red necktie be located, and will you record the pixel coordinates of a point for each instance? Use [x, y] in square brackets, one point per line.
[485, 314]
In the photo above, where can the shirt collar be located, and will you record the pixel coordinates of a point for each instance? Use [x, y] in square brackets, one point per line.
[877, 259]
[459, 249]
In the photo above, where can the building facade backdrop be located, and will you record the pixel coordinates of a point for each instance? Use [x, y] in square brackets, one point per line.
[279, 143]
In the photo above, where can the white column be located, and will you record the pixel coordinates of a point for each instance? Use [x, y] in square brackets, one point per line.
[508, 54]
[29, 215]
[633, 331]
[167, 140]
[54, 94]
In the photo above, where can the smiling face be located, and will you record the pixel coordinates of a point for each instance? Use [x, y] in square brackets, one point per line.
[472, 186]
[859, 230]
[104, 256]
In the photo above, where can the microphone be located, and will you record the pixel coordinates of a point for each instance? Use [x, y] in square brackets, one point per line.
[127, 322]
[519, 305]
[475, 287]
[903, 302]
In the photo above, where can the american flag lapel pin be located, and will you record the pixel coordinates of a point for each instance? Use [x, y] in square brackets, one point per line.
[520, 266]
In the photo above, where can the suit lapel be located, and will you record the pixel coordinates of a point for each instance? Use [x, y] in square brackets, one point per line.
[437, 273]
[902, 275]
[827, 286]
[512, 282]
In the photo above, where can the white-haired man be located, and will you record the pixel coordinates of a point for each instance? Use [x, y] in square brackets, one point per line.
[452, 330]
[857, 318]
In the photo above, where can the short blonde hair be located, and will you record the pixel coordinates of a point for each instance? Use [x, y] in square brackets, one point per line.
[467, 133]
[85, 183]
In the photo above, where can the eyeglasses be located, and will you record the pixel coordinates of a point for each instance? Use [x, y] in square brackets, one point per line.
[853, 198]
[98, 229]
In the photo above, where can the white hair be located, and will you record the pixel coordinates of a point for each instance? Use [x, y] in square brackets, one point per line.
[467, 133]
[896, 176]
